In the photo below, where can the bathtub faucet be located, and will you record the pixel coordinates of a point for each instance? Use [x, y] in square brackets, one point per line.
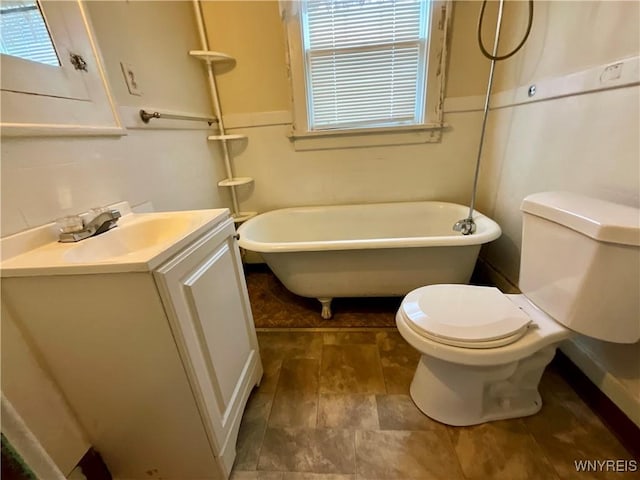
[466, 226]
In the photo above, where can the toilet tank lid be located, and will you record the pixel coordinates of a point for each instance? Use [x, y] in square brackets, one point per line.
[599, 219]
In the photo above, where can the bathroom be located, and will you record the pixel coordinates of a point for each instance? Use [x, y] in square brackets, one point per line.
[576, 138]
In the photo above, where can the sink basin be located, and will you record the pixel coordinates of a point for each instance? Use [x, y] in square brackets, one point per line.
[129, 239]
[140, 242]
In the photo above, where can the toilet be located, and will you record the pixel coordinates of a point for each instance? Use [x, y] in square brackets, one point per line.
[483, 352]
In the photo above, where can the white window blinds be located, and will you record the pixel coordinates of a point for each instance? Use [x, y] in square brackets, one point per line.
[365, 62]
[24, 34]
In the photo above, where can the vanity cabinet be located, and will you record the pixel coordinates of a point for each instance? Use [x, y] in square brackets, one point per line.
[157, 365]
[205, 297]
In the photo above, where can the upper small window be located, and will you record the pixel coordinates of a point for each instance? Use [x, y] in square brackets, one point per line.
[365, 66]
[24, 34]
[44, 88]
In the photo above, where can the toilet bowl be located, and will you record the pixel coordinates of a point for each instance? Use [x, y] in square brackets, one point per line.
[484, 352]
[469, 381]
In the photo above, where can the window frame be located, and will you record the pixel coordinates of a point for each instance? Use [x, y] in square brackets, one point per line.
[12, 17]
[25, 76]
[430, 130]
[42, 100]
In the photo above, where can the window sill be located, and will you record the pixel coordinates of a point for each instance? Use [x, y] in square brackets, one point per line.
[325, 140]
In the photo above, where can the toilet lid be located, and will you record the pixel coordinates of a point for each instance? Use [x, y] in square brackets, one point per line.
[465, 315]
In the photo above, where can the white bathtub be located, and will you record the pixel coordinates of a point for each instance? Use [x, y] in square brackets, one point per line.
[371, 250]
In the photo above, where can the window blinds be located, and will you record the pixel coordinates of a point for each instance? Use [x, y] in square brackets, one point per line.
[365, 62]
[24, 34]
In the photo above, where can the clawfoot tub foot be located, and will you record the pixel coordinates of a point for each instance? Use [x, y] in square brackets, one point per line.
[326, 307]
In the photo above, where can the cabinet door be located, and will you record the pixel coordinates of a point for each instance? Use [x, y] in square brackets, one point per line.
[204, 293]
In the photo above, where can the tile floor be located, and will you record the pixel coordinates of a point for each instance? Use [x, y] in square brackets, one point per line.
[334, 405]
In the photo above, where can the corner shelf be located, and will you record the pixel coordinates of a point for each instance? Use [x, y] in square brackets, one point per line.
[235, 181]
[226, 137]
[210, 56]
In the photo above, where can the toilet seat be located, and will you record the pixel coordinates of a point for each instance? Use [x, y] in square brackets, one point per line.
[464, 316]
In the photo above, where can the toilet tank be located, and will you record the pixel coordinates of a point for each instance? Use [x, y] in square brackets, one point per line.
[580, 263]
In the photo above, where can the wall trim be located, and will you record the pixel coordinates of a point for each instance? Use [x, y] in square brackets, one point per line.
[618, 74]
[602, 379]
[57, 130]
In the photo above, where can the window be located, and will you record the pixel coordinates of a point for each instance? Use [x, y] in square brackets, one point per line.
[42, 92]
[24, 34]
[360, 67]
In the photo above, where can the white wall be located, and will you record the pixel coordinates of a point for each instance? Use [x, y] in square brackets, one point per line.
[586, 143]
[45, 178]
[285, 177]
[253, 33]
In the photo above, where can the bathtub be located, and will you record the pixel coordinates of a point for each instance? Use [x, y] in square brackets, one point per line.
[371, 250]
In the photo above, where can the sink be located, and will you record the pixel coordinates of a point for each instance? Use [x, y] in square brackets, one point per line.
[140, 242]
[129, 239]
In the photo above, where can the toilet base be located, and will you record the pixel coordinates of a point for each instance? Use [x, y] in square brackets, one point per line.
[462, 395]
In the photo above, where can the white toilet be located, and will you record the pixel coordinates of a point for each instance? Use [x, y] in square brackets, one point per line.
[483, 352]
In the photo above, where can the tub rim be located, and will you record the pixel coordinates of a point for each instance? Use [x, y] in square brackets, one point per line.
[487, 231]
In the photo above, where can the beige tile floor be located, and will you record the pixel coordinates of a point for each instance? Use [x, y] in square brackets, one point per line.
[335, 405]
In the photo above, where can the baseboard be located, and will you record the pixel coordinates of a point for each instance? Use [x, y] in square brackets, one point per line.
[615, 419]
[485, 274]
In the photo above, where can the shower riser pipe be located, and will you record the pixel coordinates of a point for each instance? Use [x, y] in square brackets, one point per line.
[467, 226]
[487, 101]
